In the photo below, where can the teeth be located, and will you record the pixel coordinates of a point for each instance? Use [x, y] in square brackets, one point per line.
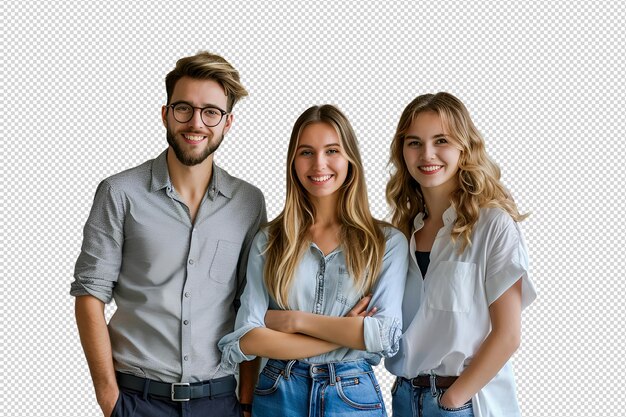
[321, 179]
[194, 138]
[431, 168]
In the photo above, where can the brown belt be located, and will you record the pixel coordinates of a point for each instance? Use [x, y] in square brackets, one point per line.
[423, 381]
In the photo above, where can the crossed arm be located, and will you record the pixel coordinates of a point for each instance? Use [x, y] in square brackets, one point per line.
[296, 334]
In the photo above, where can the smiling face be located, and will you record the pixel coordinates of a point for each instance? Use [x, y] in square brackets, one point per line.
[320, 163]
[193, 142]
[430, 156]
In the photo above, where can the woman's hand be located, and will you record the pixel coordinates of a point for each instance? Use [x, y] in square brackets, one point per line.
[360, 308]
[342, 331]
[285, 321]
[446, 401]
[494, 352]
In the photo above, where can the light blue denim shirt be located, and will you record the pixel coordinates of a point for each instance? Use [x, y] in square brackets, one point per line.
[323, 285]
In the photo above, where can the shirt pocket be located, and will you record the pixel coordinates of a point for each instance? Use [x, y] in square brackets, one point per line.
[348, 293]
[224, 263]
[452, 287]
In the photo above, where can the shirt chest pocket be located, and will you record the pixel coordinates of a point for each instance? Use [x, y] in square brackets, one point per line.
[348, 293]
[224, 263]
[452, 286]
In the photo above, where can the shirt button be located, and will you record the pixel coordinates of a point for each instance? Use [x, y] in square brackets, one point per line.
[320, 276]
[186, 358]
[191, 262]
[186, 322]
[187, 295]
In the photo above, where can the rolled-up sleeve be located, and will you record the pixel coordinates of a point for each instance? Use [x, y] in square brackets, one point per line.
[100, 259]
[382, 331]
[254, 305]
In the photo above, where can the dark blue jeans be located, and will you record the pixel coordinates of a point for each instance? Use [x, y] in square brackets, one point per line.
[135, 404]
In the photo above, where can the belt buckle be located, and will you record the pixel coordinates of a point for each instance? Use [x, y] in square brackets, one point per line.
[179, 384]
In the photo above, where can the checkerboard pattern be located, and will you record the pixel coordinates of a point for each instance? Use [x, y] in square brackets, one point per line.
[83, 84]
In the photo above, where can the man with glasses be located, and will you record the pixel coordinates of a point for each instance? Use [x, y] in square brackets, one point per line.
[169, 241]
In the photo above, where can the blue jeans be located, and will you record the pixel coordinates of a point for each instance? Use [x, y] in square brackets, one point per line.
[409, 401]
[297, 389]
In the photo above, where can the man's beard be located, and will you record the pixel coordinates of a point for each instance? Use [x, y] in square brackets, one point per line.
[187, 158]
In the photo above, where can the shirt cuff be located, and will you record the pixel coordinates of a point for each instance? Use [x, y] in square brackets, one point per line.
[382, 335]
[99, 288]
[231, 351]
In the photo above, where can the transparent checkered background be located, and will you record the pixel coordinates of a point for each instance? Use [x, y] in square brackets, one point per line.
[82, 86]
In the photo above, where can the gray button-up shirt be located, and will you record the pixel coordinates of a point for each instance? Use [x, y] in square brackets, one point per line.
[176, 283]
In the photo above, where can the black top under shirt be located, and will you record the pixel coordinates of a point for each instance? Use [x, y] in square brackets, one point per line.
[423, 260]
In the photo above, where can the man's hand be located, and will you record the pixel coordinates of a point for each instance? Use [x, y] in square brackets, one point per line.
[360, 308]
[107, 400]
[246, 413]
[248, 374]
[94, 336]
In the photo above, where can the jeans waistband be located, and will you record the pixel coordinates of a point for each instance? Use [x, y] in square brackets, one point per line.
[330, 370]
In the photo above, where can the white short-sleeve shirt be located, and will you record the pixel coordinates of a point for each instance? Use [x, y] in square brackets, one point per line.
[446, 313]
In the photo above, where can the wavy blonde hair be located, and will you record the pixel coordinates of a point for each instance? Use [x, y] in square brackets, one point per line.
[361, 237]
[478, 176]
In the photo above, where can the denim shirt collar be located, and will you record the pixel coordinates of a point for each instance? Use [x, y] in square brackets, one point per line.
[314, 248]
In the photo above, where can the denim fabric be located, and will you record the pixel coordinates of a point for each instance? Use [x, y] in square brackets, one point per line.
[299, 389]
[322, 284]
[408, 401]
[132, 403]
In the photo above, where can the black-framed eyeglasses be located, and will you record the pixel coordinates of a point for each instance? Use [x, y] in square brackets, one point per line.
[211, 116]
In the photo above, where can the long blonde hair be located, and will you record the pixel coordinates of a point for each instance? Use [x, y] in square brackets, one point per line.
[362, 239]
[478, 176]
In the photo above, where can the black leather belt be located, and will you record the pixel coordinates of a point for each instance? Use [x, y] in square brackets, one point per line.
[179, 391]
